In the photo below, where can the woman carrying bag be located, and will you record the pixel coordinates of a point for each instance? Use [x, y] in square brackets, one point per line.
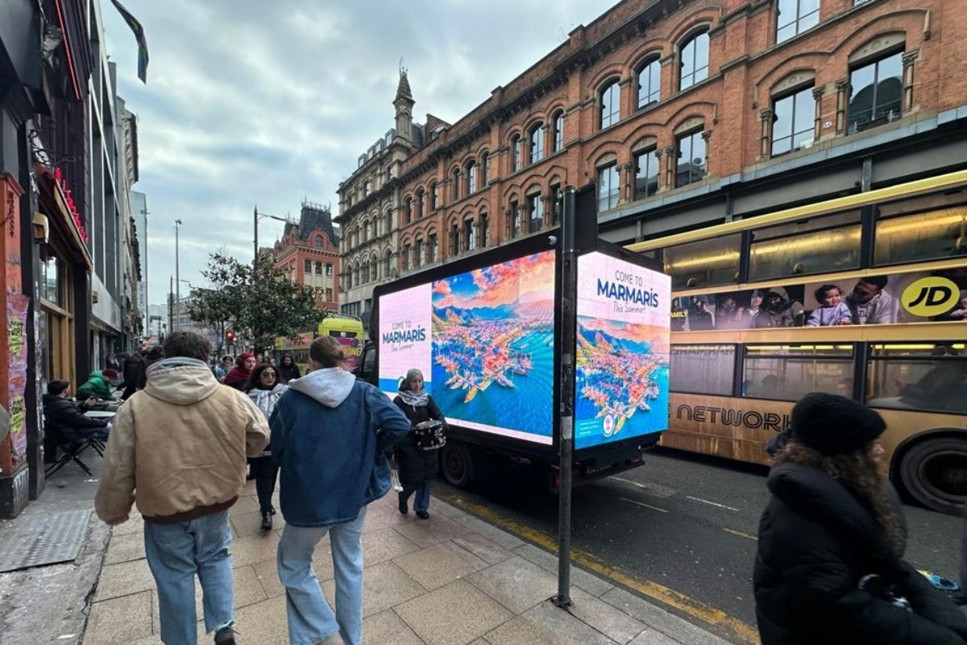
[264, 388]
[417, 453]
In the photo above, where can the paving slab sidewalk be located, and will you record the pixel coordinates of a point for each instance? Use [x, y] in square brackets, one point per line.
[449, 580]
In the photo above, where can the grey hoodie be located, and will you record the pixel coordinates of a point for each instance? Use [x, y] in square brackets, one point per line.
[329, 386]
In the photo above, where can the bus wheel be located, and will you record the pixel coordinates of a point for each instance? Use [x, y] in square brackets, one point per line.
[457, 464]
[934, 473]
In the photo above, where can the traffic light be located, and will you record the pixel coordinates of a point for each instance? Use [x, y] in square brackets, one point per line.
[230, 336]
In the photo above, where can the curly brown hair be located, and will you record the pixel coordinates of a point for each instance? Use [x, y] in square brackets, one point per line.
[859, 472]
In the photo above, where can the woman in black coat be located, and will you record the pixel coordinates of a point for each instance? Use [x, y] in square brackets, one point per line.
[828, 567]
[417, 467]
[288, 370]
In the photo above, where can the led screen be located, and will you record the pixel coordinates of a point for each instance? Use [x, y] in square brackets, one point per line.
[484, 341]
[621, 382]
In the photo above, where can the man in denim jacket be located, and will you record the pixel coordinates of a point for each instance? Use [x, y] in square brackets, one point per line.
[329, 432]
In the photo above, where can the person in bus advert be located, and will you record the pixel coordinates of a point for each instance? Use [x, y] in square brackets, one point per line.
[778, 310]
[870, 303]
[728, 315]
[829, 565]
[833, 311]
[417, 466]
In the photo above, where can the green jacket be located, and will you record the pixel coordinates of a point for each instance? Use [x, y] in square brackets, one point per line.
[97, 387]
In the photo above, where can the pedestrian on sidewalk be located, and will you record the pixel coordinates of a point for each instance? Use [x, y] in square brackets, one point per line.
[288, 370]
[264, 389]
[418, 464]
[329, 433]
[239, 375]
[177, 449]
[829, 565]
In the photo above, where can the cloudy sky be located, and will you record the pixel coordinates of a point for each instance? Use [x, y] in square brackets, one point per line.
[250, 102]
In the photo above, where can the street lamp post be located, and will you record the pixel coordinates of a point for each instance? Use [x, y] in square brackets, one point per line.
[177, 279]
[256, 216]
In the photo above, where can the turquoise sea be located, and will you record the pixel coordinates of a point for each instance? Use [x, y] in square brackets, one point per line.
[528, 407]
[589, 430]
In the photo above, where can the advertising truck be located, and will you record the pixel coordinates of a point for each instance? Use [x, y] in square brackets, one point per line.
[486, 331]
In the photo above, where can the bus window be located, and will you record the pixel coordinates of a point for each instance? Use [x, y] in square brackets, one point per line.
[922, 376]
[786, 372]
[702, 369]
[704, 263]
[901, 237]
[817, 245]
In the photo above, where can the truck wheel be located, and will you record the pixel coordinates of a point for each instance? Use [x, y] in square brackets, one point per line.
[934, 473]
[457, 465]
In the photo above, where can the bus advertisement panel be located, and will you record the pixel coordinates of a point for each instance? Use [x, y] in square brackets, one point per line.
[484, 340]
[621, 382]
[937, 296]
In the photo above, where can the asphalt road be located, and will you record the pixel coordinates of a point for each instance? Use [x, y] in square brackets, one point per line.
[680, 529]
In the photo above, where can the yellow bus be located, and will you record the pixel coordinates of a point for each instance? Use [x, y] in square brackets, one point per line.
[864, 295]
[348, 330]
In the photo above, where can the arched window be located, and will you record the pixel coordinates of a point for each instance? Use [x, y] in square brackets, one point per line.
[388, 264]
[434, 196]
[484, 169]
[317, 242]
[433, 246]
[484, 229]
[694, 60]
[649, 83]
[407, 210]
[356, 275]
[515, 152]
[513, 219]
[609, 99]
[456, 184]
[557, 143]
[536, 136]
[420, 252]
[420, 203]
[348, 278]
[535, 210]
[388, 222]
[454, 239]
[365, 272]
[469, 234]
[471, 178]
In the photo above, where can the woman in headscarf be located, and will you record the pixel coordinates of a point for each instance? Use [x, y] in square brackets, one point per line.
[829, 565]
[417, 466]
[288, 370]
[240, 374]
[264, 388]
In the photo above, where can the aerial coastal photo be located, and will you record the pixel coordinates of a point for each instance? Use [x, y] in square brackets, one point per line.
[493, 344]
[622, 374]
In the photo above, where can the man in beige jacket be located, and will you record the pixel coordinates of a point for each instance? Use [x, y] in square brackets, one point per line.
[177, 449]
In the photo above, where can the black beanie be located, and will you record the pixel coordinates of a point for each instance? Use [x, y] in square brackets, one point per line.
[834, 424]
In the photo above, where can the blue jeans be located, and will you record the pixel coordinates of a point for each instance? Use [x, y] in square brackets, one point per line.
[309, 616]
[176, 553]
[422, 490]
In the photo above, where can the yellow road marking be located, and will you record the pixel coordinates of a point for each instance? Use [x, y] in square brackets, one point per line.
[741, 534]
[654, 508]
[670, 597]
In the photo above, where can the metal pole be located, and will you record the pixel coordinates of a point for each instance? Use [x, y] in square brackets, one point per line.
[177, 278]
[566, 443]
[255, 254]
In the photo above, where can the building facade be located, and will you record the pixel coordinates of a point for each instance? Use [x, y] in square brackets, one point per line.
[65, 160]
[308, 252]
[685, 114]
[369, 209]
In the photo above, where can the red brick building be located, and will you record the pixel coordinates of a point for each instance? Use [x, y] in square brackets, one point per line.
[688, 113]
[309, 253]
